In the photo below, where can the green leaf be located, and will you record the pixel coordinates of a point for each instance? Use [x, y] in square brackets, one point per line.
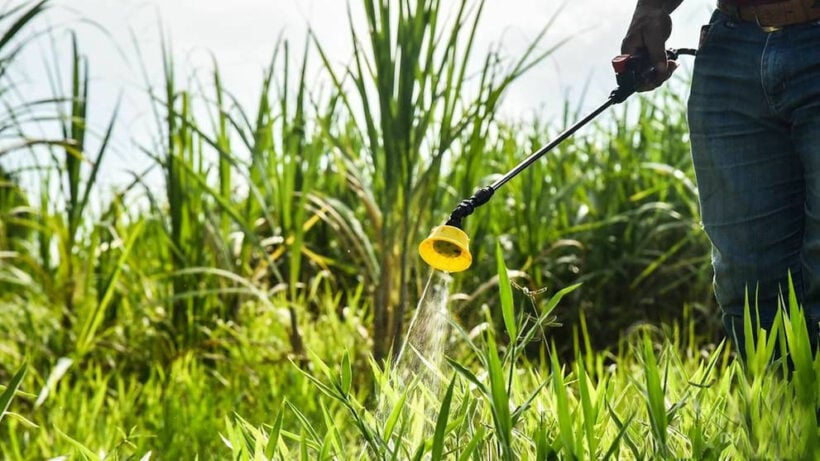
[564, 416]
[654, 393]
[346, 374]
[469, 450]
[557, 297]
[273, 438]
[623, 427]
[390, 424]
[11, 389]
[469, 375]
[308, 428]
[542, 448]
[94, 320]
[85, 452]
[505, 291]
[500, 399]
[590, 411]
[441, 422]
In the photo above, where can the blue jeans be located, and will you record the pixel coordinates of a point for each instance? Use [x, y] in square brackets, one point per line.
[754, 117]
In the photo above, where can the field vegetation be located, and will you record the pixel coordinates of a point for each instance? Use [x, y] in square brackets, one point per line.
[252, 307]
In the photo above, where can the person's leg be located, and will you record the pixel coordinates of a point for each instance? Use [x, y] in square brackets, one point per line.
[800, 100]
[750, 180]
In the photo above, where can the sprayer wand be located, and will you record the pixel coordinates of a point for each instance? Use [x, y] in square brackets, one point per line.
[631, 71]
[446, 248]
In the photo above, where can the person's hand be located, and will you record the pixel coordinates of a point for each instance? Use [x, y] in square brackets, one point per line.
[649, 29]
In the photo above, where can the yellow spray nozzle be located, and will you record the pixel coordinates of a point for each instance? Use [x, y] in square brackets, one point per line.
[447, 249]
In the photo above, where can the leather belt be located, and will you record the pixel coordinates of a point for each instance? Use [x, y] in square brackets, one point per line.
[772, 16]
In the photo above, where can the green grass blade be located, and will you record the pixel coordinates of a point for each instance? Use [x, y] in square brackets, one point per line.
[11, 389]
[332, 443]
[623, 427]
[521, 411]
[395, 413]
[589, 411]
[654, 394]
[469, 450]
[273, 438]
[542, 446]
[441, 423]
[505, 292]
[346, 374]
[463, 371]
[615, 445]
[557, 297]
[14, 30]
[564, 415]
[83, 451]
[94, 320]
[91, 181]
[307, 426]
[499, 397]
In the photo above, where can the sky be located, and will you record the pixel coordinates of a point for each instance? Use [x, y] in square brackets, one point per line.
[240, 35]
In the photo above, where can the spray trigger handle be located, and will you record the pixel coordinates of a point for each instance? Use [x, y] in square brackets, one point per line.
[633, 71]
[620, 63]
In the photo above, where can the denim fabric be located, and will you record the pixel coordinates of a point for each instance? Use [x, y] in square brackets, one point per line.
[754, 116]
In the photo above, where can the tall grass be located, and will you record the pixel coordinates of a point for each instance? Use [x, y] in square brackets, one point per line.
[412, 102]
[653, 399]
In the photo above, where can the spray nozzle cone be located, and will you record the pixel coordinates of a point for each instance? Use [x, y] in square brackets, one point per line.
[447, 249]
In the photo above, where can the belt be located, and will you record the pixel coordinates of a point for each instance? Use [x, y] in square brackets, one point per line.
[772, 16]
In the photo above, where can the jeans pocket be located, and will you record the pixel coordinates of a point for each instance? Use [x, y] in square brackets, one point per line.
[708, 30]
[704, 35]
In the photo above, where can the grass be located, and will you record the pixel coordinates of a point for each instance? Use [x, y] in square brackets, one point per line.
[652, 399]
[250, 308]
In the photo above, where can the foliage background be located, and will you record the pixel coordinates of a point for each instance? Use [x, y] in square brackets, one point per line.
[186, 318]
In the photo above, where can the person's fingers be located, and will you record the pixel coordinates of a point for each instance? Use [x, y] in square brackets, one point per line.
[671, 66]
[632, 43]
[654, 35]
[648, 32]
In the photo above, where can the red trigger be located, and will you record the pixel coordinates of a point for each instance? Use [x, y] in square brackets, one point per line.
[620, 62]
